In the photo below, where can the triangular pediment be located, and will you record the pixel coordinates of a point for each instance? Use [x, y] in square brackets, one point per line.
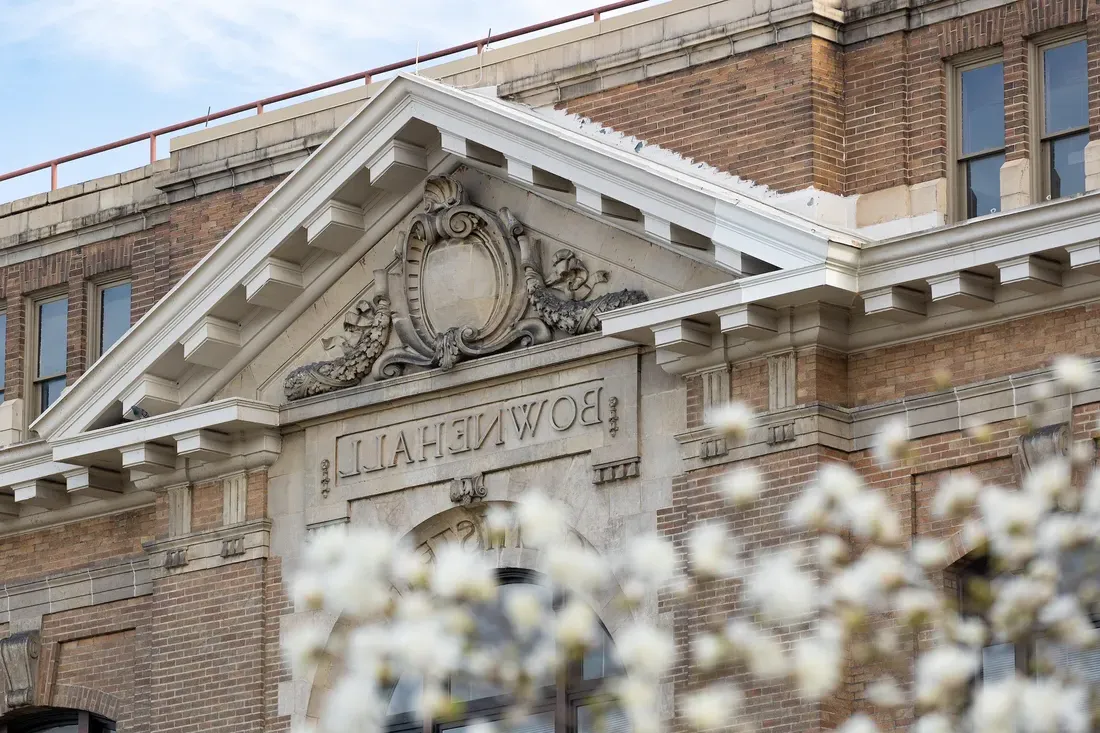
[340, 209]
[551, 275]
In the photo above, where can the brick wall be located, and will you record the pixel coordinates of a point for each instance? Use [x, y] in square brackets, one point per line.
[155, 260]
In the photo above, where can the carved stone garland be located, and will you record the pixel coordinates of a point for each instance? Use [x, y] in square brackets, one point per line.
[441, 318]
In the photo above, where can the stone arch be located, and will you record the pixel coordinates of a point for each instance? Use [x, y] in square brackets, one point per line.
[460, 524]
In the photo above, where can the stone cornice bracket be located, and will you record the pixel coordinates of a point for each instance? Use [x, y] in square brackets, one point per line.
[19, 665]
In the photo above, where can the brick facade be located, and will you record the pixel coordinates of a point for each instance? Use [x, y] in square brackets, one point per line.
[197, 649]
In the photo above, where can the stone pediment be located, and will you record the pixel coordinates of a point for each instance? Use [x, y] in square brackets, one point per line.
[465, 282]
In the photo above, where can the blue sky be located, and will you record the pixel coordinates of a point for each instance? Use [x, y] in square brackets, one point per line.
[75, 74]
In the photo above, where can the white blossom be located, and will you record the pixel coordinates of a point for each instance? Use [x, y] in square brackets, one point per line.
[816, 667]
[931, 554]
[917, 605]
[762, 652]
[305, 647]
[462, 573]
[858, 723]
[933, 723]
[524, 607]
[424, 647]
[956, 494]
[1060, 531]
[942, 673]
[351, 706]
[651, 559]
[969, 631]
[1069, 622]
[352, 593]
[1016, 604]
[734, 419]
[839, 481]
[711, 551]
[645, 651]
[891, 443]
[325, 548]
[779, 589]
[741, 486]
[707, 650]
[1048, 481]
[576, 625]
[710, 708]
[885, 693]
[832, 551]
[498, 520]
[1074, 373]
[865, 582]
[994, 707]
[870, 518]
[810, 510]
[574, 566]
[541, 521]
[1040, 706]
[308, 592]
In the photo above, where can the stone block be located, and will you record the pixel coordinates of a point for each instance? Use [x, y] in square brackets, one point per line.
[45, 216]
[1015, 184]
[888, 204]
[1092, 165]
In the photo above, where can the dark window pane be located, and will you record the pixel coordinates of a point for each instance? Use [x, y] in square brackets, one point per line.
[601, 719]
[537, 723]
[53, 327]
[600, 661]
[3, 349]
[998, 662]
[983, 185]
[983, 109]
[405, 694]
[1066, 87]
[1067, 165]
[114, 319]
[50, 390]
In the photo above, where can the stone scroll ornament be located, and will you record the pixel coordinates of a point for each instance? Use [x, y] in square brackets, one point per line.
[367, 328]
[471, 285]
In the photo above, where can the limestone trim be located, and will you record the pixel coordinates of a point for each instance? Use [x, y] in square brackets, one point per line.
[853, 429]
[103, 583]
[212, 548]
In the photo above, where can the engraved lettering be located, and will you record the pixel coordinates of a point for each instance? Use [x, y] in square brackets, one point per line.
[483, 435]
[461, 435]
[379, 446]
[570, 410]
[531, 412]
[436, 441]
[590, 413]
[355, 446]
[469, 531]
[402, 448]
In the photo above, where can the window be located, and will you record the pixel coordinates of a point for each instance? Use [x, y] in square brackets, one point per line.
[3, 353]
[110, 316]
[1063, 118]
[51, 321]
[573, 702]
[979, 138]
[55, 720]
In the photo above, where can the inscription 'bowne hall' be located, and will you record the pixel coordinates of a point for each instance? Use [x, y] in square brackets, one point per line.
[530, 419]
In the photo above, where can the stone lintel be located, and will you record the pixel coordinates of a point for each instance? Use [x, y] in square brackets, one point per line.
[149, 395]
[98, 483]
[398, 166]
[41, 493]
[203, 445]
[684, 337]
[149, 458]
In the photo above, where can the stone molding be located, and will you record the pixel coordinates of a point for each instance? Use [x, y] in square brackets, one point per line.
[603, 473]
[852, 429]
[209, 549]
[76, 589]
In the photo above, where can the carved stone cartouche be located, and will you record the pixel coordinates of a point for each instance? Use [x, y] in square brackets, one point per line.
[367, 328]
[568, 311]
[425, 316]
[19, 667]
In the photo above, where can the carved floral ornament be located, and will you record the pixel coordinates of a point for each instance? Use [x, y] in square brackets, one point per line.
[440, 317]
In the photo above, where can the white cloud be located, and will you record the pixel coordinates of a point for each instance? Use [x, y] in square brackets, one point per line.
[179, 43]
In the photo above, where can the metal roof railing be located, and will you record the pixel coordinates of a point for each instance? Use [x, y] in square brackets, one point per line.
[258, 105]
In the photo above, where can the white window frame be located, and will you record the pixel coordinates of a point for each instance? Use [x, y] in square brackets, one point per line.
[956, 162]
[95, 311]
[33, 380]
[1040, 141]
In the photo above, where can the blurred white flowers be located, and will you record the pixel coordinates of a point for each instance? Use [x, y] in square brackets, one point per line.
[734, 420]
[742, 486]
[1073, 372]
[711, 708]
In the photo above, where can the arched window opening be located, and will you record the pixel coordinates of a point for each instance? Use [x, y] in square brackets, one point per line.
[55, 720]
[576, 701]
